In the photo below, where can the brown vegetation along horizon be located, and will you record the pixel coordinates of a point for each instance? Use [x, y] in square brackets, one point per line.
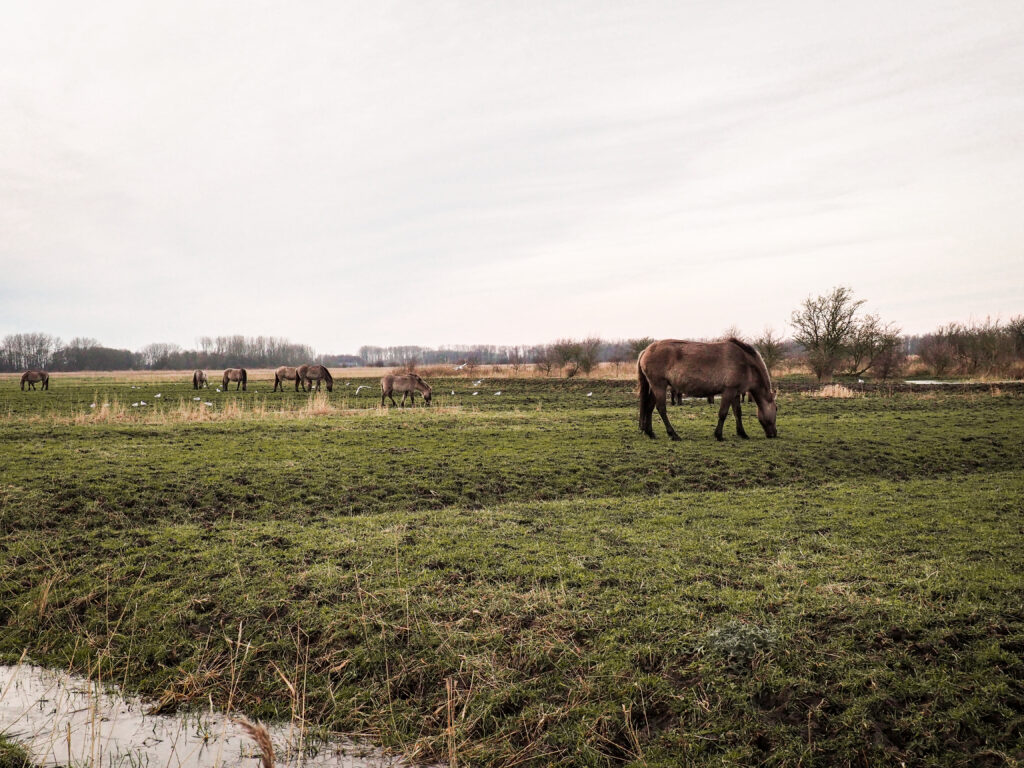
[915, 367]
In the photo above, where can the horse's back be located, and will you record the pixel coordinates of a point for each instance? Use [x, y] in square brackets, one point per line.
[697, 368]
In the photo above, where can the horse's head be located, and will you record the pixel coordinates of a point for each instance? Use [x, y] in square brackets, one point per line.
[766, 412]
[426, 396]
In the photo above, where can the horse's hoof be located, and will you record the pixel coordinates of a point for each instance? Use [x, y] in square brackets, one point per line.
[719, 438]
[675, 437]
[744, 435]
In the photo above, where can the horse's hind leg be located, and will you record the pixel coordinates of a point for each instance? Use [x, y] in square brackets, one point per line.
[737, 411]
[659, 402]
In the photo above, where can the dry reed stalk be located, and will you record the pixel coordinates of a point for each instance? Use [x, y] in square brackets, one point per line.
[259, 734]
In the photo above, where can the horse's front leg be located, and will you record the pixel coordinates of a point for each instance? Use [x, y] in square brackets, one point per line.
[737, 411]
[728, 396]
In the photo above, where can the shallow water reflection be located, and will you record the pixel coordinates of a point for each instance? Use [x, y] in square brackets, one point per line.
[64, 719]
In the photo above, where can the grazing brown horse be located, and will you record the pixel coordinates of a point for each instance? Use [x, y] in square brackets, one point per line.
[705, 369]
[31, 377]
[406, 383]
[235, 374]
[199, 379]
[309, 373]
[283, 374]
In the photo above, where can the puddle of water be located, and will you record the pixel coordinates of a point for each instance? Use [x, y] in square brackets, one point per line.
[64, 719]
[930, 381]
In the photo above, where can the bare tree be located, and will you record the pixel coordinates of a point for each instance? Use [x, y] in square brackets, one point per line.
[639, 345]
[587, 354]
[772, 348]
[566, 353]
[823, 327]
[870, 341]
[544, 358]
[515, 358]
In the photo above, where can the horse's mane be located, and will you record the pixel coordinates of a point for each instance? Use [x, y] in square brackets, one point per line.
[757, 360]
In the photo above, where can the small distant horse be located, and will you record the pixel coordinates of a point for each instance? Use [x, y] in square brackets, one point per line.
[235, 374]
[199, 379]
[283, 374]
[705, 369]
[309, 373]
[406, 383]
[31, 377]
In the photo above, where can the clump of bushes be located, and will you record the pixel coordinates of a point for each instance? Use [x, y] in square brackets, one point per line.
[987, 347]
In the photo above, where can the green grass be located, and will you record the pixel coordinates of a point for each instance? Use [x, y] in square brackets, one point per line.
[526, 580]
[13, 756]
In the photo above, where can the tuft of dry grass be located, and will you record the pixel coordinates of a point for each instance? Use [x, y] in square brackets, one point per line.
[835, 390]
[259, 734]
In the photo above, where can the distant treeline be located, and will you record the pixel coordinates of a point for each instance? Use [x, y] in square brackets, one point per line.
[862, 345]
[20, 351]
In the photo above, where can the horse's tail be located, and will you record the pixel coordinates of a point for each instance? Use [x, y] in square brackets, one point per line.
[646, 397]
[195, 380]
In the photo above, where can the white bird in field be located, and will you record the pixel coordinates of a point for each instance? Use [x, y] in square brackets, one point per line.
[208, 403]
[197, 398]
[590, 394]
[159, 394]
[460, 367]
[348, 383]
[218, 389]
[135, 405]
[453, 391]
[92, 405]
[478, 383]
[142, 402]
[497, 393]
[475, 394]
[860, 381]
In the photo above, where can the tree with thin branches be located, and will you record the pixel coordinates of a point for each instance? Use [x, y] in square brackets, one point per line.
[823, 326]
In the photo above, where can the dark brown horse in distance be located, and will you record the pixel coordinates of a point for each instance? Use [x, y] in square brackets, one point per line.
[199, 379]
[31, 377]
[283, 374]
[235, 374]
[406, 383]
[704, 369]
[309, 373]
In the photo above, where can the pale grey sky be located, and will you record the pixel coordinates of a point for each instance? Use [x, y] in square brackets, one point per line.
[347, 173]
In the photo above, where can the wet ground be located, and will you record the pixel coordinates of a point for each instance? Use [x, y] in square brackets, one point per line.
[64, 719]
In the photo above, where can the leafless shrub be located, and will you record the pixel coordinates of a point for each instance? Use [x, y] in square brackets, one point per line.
[772, 349]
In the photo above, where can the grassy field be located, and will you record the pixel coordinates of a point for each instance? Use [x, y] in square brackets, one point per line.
[522, 579]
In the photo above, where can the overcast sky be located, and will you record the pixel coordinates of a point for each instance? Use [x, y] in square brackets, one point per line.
[345, 173]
